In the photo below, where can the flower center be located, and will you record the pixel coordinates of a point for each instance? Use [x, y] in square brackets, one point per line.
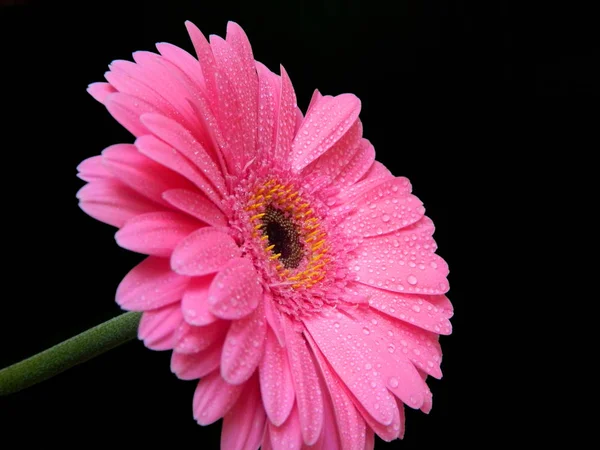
[290, 234]
[283, 237]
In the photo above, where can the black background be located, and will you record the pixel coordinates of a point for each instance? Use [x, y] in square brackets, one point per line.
[469, 102]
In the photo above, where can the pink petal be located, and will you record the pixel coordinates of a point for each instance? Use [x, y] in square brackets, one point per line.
[204, 251]
[299, 120]
[306, 385]
[315, 98]
[171, 84]
[207, 62]
[111, 202]
[127, 110]
[195, 307]
[350, 424]
[209, 123]
[150, 285]
[214, 397]
[383, 210]
[268, 110]
[92, 169]
[418, 346]
[242, 89]
[375, 175]
[404, 346]
[403, 418]
[157, 327]
[415, 309]
[287, 118]
[181, 139]
[372, 346]
[370, 440]
[230, 116]
[156, 233]
[243, 348]
[196, 205]
[352, 359]
[330, 433]
[129, 78]
[442, 303]
[158, 151]
[289, 435]
[162, 85]
[391, 187]
[141, 173]
[236, 290]
[185, 62]
[234, 57]
[274, 318]
[334, 117]
[276, 381]
[362, 159]
[404, 261]
[191, 366]
[100, 91]
[339, 155]
[386, 432]
[266, 441]
[236, 37]
[427, 402]
[354, 297]
[244, 425]
[192, 339]
[377, 171]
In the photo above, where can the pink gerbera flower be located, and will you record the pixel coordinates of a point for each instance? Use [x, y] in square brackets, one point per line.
[288, 270]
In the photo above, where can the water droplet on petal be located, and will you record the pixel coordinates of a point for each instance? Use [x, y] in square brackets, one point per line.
[393, 382]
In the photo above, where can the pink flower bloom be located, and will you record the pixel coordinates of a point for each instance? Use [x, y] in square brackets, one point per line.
[288, 270]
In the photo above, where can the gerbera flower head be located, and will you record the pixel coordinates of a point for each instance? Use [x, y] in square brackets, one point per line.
[289, 271]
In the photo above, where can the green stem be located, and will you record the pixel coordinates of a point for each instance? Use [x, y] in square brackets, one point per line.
[69, 353]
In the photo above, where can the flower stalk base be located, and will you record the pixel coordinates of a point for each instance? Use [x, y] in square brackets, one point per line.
[73, 351]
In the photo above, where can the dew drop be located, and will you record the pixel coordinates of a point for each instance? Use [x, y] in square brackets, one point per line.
[393, 382]
[412, 279]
